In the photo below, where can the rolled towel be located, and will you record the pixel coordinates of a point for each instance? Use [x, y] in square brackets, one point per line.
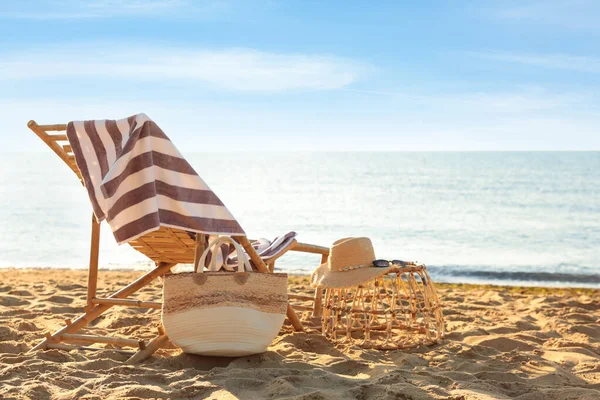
[267, 249]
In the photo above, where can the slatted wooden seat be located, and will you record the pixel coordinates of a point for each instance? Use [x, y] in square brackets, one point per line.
[167, 247]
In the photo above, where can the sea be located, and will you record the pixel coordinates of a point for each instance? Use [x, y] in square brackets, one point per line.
[506, 218]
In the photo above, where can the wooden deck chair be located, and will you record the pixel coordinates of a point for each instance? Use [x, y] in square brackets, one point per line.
[167, 247]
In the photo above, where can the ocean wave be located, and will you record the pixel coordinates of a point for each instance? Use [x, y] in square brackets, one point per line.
[521, 276]
[470, 274]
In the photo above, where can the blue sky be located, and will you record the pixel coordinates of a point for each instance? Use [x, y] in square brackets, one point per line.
[308, 75]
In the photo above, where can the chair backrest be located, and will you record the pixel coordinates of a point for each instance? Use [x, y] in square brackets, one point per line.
[166, 245]
[57, 142]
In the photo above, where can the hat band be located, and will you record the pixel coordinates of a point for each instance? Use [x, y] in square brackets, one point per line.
[351, 267]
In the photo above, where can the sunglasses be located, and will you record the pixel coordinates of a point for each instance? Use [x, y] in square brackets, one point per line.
[386, 263]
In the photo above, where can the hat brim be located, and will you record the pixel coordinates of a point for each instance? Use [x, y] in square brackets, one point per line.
[323, 277]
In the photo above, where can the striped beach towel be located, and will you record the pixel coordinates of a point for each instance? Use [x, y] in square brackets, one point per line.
[137, 180]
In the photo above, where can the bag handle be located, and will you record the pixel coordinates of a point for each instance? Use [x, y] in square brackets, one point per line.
[243, 261]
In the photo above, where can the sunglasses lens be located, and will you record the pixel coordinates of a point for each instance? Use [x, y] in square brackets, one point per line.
[398, 262]
[381, 263]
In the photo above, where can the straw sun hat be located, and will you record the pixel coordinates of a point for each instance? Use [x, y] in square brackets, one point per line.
[350, 263]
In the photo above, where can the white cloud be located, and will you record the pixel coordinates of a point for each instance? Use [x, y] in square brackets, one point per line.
[232, 69]
[550, 61]
[516, 101]
[570, 14]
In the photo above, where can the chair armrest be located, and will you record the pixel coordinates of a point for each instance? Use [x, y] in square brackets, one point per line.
[311, 248]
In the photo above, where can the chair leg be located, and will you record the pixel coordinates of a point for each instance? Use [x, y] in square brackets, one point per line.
[94, 312]
[318, 304]
[93, 268]
[150, 348]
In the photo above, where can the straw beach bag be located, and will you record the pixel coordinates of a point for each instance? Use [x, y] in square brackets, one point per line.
[224, 313]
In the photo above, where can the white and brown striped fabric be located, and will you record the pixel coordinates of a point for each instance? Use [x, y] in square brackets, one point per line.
[137, 180]
[265, 249]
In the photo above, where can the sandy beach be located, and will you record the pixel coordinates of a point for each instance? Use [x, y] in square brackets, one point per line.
[502, 342]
